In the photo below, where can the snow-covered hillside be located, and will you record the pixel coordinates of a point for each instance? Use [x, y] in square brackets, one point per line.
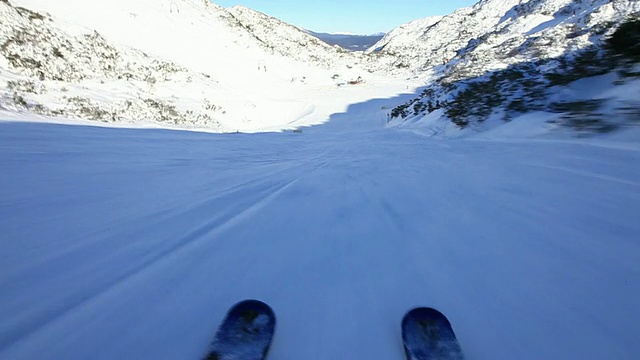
[516, 57]
[405, 39]
[48, 70]
[194, 64]
[428, 42]
[183, 63]
[501, 26]
[289, 40]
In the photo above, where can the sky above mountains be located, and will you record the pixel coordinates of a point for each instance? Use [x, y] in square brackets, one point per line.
[355, 17]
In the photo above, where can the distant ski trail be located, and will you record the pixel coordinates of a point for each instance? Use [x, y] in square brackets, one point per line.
[133, 244]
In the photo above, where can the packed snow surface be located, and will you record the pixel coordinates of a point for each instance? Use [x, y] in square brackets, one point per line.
[133, 243]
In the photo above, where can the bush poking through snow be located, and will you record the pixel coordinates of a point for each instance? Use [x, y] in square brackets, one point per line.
[623, 48]
[625, 41]
[583, 116]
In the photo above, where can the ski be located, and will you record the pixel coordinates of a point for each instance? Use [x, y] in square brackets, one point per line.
[245, 333]
[427, 335]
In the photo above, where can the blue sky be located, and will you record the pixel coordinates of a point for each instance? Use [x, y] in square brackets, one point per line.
[351, 16]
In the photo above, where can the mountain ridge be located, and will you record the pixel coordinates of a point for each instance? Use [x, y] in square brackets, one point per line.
[540, 42]
[236, 56]
[222, 82]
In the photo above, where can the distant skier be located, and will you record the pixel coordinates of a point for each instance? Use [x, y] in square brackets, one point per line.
[262, 66]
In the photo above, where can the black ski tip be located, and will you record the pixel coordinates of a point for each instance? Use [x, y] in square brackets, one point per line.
[245, 333]
[250, 305]
[427, 335]
[426, 314]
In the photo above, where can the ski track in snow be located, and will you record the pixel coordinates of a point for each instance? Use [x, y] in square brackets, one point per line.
[133, 244]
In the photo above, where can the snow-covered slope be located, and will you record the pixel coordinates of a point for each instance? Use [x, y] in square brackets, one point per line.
[201, 35]
[406, 36]
[428, 42]
[538, 30]
[184, 63]
[289, 40]
[294, 43]
[175, 30]
[512, 58]
[132, 244]
[501, 26]
[50, 70]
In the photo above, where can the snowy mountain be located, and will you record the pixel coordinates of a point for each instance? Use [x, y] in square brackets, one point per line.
[184, 63]
[289, 40]
[406, 37]
[194, 64]
[499, 59]
[501, 25]
[50, 71]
